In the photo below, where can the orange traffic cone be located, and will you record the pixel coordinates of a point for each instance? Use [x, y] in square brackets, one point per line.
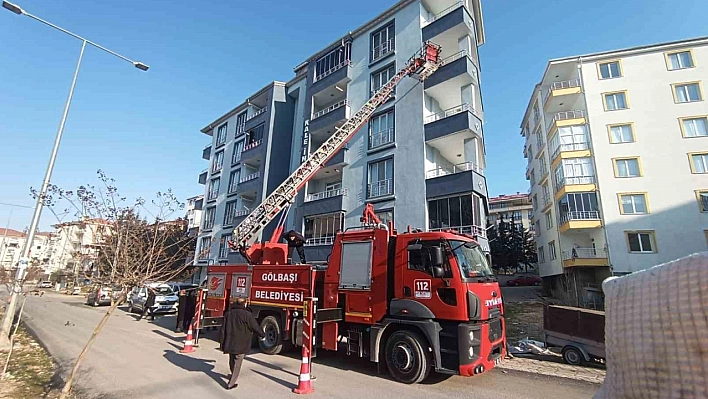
[189, 342]
[304, 386]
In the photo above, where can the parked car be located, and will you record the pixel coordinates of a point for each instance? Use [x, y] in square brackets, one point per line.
[177, 287]
[76, 290]
[165, 299]
[45, 284]
[524, 281]
[99, 296]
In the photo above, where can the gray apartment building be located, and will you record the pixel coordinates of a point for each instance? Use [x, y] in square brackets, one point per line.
[420, 160]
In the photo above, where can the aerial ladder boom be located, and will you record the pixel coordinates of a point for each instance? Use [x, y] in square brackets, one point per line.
[421, 65]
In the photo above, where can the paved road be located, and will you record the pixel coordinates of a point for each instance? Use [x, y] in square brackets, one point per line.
[522, 294]
[132, 359]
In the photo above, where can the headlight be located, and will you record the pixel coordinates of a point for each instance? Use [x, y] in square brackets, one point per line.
[471, 352]
[471, 336]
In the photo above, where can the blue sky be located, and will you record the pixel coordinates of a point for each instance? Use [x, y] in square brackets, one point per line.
[207, 56]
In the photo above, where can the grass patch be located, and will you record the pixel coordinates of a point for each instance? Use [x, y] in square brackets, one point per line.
[524, 320]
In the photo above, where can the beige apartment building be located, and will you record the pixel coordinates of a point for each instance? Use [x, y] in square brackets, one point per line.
[617, 149]
[507, 207]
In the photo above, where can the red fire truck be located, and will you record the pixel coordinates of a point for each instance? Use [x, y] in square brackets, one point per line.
[418, 301]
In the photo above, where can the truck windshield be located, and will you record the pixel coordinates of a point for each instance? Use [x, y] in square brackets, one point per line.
[470, 259]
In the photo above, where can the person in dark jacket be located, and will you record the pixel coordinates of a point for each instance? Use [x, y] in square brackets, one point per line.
[149, 303]
[236, 335]
[297, 241]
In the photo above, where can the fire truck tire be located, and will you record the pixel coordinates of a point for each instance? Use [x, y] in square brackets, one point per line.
[407, 357]
[273, 342]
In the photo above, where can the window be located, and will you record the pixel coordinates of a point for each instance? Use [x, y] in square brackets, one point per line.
[385, 216]
[694, 126]
[687, 92]
[578, 206]
[535, 202]
[204, 248]
[627, 167]
[380, 78]
[461, 212]
[380, 178]
[241, 122]
[333, 61]
[574, 171]
[209, 216]
[532, 178]
[383, 42]
[702, 197]
[218, 162]
[679, 60]
[552, 250]
[238, 148]
[570, 138]
[529, 214]
[640, 241]
[254, 136]
[621, 133]
[699, 162]
[234, 178]
[517, 215]
[615, 101]
[541, 255]
[213, 189]
[381, 130]
[229, 213]
[537, 229]
[610, 70]
[224, 246]
[536, 114]
[321, 229]
[221, 134]
[549, 220]
[633, 203]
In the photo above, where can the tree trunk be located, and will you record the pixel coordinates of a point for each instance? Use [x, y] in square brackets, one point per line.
[67, 386]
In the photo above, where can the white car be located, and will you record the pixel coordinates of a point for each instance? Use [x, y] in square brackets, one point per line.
[166, 301]
[45, 284]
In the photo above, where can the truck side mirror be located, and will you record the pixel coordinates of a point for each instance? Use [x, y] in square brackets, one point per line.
[436, 257]
[438, 272]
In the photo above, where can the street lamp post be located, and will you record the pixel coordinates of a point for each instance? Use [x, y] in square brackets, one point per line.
[24, 260]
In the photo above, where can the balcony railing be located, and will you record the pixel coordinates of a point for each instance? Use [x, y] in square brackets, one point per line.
[327, 240]
[442, 13]
[383, 49]
[449, 170]
[570, 147]
[380, 188]
[233, 186]
[331, 108]
[571, 181]
[579, 215]
[546, 200]
[332, 70]
[448, 112]
[561, 116]
[326, 194]
[383, 137]
[255, 114]
[212, 195]
[217, 166]
[454, 57]
[250, 177]
[565, 84]
[242, 212]
[584, 253]
[471, 230]
[543, 169]
[252, 145]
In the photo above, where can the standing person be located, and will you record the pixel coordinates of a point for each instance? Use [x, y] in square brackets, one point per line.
[149, 303]
[297, 241]
[236, 335]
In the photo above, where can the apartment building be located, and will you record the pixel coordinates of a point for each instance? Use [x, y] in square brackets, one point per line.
[419, 161]
[12, 242]
[194, 214]
[516, 207]
[75, 244]
[617, 149]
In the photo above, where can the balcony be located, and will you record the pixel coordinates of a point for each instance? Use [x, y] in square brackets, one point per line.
[552, 96]
[457, 179]
[203, 176]
[575, 184]
[330, 117]
[571, 150]
[546, 201]
[381, 188]
[584, 257]
[206, 152]
[459, 69]
[255, 118]
[324, 202]
[325, 194]
[329, 109]
[448, 21]
[450, 121]
[250, 177]
[565, 118]
[338, 75]
[579, 220]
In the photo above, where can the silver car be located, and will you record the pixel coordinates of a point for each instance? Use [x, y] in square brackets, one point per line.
[166, 301]
[99, 296]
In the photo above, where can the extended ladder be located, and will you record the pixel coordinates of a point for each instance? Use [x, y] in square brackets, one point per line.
[423, 64]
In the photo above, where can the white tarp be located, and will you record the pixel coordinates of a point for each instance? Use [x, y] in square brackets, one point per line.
[656, 332]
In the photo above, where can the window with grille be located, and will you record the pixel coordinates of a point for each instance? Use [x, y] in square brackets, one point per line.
[332, 61]
[218, 162]
[383, 42]
[380, 78]
[221, 134]
[241, 122]
[381, 130]
[213, 189]
[229, 213]
[224, 246]
[321, 229]
[385, 216]
[549, 220]
[380, 178]
[234, 178]
[209, 217]
[238, 148]
[204, 248]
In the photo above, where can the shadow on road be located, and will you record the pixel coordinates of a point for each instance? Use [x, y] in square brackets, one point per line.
[192, 364]
[168, 336]
[270, 366]
[280, 381]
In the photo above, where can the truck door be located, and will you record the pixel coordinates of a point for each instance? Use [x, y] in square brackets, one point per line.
[437, 293]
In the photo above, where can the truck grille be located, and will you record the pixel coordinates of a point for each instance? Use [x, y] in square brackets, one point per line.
[168, 302]
[495, 330]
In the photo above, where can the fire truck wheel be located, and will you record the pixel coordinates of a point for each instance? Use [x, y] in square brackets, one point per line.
[408, 357]
[273, 342]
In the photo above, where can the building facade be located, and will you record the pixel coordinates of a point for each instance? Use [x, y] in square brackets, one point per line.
[75, 245]
[12, 242]
[516, 207]
[194, 214]
[617, 149]
[419, 160]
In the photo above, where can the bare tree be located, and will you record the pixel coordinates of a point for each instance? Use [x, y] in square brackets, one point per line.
[133, 243]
